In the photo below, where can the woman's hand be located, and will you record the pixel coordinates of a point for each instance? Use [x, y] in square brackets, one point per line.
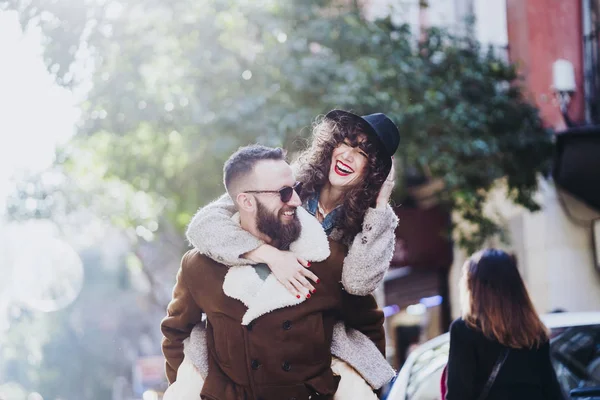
[386, 189]
[288, 268]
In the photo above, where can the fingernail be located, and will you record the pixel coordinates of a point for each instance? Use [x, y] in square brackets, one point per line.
[307, 265]
[308, 296]
[314, 290]
[318, 280]
[298, 296]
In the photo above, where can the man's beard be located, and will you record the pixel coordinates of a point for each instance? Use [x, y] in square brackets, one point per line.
[270, 224]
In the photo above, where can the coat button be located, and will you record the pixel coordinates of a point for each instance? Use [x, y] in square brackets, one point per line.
[255, 364]
[287, 325]
[286, 366]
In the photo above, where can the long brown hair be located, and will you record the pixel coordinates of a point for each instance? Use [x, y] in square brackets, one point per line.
[315, 161]
[495, 301]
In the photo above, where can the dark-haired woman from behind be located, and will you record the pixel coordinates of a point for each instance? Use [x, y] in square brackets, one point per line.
[500, 348]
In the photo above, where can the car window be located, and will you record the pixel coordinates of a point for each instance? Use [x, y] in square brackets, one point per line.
[425, 373]
[576, 356]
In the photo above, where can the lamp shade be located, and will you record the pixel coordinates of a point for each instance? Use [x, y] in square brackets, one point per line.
[563, 76]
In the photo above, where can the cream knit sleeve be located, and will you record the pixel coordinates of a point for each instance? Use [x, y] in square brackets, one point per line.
[214, 233]
[370, 253]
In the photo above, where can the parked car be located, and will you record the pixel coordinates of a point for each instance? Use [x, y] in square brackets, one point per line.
[575, 351]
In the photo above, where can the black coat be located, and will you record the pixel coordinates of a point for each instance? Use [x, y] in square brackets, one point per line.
[526, 374]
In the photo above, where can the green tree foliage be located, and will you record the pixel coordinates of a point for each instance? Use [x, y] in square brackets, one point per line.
[175, 86]
[77, 352]
[178, 85]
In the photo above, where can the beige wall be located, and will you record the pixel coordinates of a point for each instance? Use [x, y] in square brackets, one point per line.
[555, 253]
[490, 15]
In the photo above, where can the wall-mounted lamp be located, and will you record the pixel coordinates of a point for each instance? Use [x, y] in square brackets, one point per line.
[563, 84]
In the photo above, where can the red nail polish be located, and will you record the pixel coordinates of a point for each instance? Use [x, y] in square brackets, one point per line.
[298, 296]
[318, 280]
[308, 296]
[307, 265]
[314, 290]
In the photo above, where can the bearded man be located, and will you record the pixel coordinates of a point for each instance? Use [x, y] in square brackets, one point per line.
[263, 342]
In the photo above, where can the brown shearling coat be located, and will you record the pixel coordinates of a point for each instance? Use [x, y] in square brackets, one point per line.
[259, 347]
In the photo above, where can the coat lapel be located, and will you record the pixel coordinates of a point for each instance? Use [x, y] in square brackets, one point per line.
[260, 297]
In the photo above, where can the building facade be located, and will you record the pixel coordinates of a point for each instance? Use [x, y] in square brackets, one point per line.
[555, 247]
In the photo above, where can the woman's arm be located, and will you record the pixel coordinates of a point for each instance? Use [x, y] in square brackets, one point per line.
[461, 364]
[371, 251]
[214, 233]
[550, 384]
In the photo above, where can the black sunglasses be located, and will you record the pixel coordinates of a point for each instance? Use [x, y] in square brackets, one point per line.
[285, 193]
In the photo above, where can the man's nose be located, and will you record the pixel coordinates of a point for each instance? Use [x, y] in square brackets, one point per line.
[295, 200]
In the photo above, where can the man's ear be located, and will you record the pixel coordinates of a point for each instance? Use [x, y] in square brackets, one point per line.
[245, 202]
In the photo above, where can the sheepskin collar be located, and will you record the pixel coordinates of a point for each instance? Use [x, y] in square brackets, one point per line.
[261, 297]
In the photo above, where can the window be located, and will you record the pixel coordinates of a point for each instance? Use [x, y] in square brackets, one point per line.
[426, 372]
[591, 59]
[576, 357]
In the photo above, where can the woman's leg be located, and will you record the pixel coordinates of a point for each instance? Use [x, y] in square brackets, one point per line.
[188, 384]
[352, 385]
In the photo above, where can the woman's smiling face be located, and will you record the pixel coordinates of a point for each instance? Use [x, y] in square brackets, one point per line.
[348, 164]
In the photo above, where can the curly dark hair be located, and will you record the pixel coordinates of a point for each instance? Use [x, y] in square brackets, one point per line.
[314, 164]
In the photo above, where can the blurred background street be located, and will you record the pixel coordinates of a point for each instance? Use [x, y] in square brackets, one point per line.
[116, 117]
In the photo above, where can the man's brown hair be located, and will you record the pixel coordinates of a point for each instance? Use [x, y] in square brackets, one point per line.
[241, 163]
